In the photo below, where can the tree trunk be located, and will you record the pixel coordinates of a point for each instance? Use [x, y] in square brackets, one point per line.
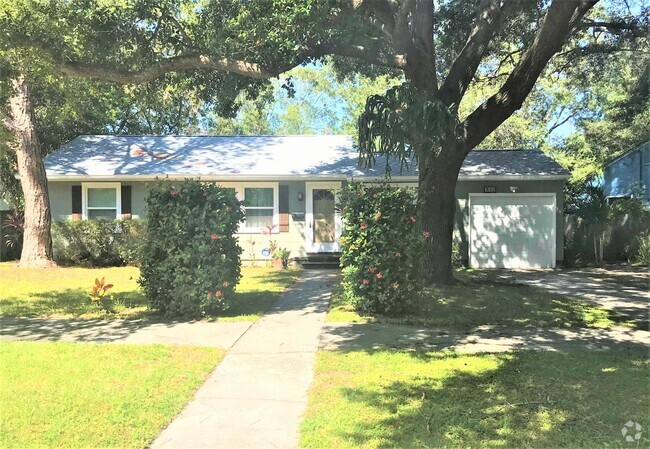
[437, 212]
[37, 239]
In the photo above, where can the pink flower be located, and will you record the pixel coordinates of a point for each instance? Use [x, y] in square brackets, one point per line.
[209, 294]
[173, 192]
[378, 216]
[372, 269]
[412, 219]
[426, 234]
[217, 293]
[395, 285]
[226, 283]
[398, 254]
[214, 236]
[379, 276]
[365, 282]
[364, 226]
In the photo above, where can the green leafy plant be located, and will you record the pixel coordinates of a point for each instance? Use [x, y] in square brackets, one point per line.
[100, 296]
[191, 257]
[381, 247]
[643, 253]
[13, 227]
[283, 255]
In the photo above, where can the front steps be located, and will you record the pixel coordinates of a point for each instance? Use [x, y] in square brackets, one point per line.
[319, 260]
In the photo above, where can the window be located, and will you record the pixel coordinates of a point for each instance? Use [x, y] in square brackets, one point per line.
[101, 200]
[260, 205]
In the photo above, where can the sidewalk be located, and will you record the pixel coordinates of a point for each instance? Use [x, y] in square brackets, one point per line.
[255, 398]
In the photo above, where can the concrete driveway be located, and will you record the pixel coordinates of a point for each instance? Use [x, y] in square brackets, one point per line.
[624, 290]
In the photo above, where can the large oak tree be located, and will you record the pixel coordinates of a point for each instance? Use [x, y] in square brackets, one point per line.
[230, 46]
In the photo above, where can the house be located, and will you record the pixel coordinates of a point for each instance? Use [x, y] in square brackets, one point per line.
[628, 172]
[509, 201]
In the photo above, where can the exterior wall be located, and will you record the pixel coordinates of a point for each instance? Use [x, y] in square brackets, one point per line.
[464, 188]
[630, 170]
[294, 240]
[251, 243]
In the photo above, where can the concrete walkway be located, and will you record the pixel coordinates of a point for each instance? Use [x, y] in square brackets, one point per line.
[256, 396]
[192, 333]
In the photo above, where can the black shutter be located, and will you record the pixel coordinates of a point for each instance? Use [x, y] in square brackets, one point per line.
[283, 208]
[76, 203]
[126, 202]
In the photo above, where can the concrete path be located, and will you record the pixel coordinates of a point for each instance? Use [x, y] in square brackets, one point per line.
[193, 333]
[256, 396]
[624, 290]
[352, 337]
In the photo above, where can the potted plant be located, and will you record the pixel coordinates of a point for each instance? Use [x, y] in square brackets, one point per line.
[282, 256]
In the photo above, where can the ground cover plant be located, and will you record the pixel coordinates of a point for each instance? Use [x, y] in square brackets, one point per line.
[402, 399]
[77, 395]
[63, 292]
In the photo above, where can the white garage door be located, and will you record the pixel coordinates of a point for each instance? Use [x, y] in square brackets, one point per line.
[512, 230]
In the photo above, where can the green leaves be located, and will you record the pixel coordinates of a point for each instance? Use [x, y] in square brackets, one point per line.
[402, 124]
[381, 247]
[190, 263]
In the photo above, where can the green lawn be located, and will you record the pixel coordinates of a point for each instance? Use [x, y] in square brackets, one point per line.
[399, 399]
[477, 301]
[78, 395]
[63, 292]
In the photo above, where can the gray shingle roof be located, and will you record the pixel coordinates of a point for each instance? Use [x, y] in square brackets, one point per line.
[258, 156]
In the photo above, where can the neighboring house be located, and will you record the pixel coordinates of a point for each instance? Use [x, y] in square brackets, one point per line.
[628, 172]
[509, 210]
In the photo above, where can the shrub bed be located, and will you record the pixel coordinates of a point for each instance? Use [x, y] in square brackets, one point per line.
[98, 243]
[381, 247]
[190, 263]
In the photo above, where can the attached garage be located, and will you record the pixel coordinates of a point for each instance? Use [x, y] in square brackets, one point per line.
[512, 230]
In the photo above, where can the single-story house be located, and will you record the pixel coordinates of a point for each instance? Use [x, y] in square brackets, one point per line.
[509, 210]
[629, 171]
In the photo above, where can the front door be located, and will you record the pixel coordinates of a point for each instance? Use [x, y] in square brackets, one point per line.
[323, 221]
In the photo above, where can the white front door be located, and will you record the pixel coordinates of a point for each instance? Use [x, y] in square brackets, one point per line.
[322, 219]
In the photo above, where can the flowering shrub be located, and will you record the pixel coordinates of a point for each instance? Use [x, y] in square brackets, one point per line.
[381, 247]
[190, 263]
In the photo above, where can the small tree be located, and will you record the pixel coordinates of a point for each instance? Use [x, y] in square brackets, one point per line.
[190, 263]
[600, 214]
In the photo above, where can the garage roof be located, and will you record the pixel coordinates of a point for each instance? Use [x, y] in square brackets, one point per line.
[332, 156]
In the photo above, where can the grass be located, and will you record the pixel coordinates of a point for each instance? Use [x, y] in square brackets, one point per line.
[477, 301]
[63, 292]
[77, 395]
[393, 399]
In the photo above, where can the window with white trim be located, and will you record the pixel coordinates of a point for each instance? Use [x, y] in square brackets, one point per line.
[261, 204]
[101, 200]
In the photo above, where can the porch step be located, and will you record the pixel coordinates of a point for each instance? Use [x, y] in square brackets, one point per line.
[320, 261]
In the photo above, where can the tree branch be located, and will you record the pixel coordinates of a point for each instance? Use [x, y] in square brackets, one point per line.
[173, 64]
[466, 63]
[370, 55]
[561, 19]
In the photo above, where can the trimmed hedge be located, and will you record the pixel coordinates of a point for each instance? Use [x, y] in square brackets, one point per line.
[191, 258]
[381, 247]
[98, 243]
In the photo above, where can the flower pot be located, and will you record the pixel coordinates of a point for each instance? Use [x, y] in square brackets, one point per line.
[277, 264]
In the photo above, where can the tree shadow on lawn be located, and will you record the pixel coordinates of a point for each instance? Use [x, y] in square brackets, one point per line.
[475, 303]
[74, 303]
[521, 399]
